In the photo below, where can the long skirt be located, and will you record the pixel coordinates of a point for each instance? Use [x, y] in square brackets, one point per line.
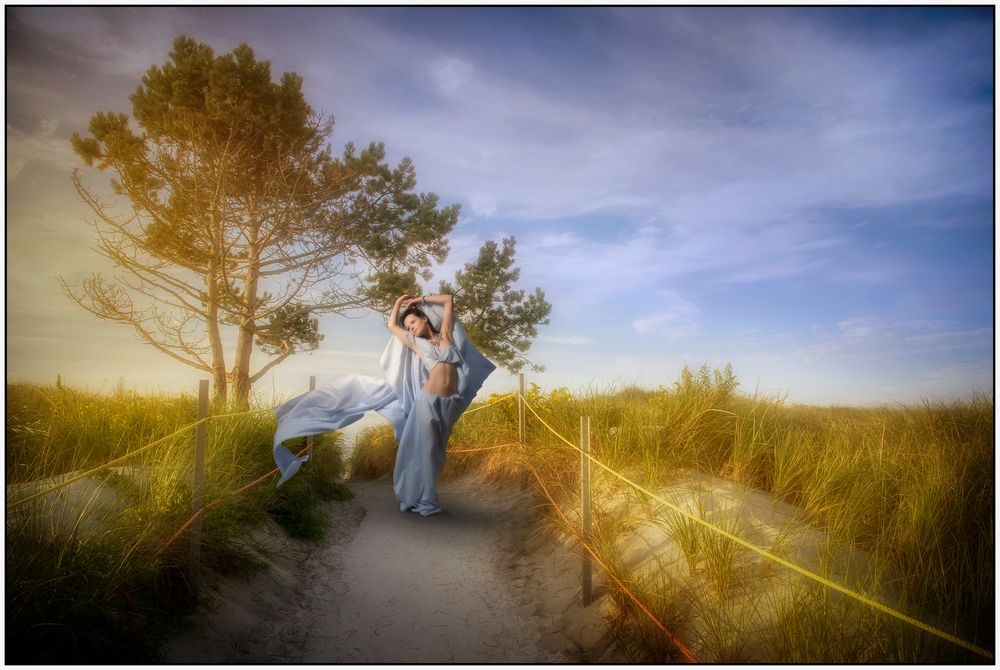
[421, 453]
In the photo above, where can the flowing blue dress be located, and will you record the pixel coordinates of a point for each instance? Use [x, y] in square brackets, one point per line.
[421, 421]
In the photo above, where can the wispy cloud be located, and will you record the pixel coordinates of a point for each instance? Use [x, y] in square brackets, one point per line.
[584, 272]
[674, 319]
[885, 337]
[566, 340]
[45, 147]
[111, 41]
[449, 74]
[482, 205]
[814, 140]
[727, 155]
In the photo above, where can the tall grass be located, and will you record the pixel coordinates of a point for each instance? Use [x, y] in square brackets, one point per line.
[908, 487]
[94, 580]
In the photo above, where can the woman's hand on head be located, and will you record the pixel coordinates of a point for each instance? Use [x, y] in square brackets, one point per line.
[412, 300]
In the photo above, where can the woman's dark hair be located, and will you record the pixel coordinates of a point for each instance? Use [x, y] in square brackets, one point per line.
[413, 309]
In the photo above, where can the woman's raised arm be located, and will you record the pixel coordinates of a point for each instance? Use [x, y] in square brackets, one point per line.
[448, 319]
[394, 326]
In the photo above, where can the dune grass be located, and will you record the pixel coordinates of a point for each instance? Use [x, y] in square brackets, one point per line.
[908, 487]
[96, 583]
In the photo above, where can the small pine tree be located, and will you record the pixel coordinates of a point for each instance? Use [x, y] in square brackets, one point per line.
[502, 321]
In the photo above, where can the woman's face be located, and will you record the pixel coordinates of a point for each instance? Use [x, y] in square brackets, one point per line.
[416, 324]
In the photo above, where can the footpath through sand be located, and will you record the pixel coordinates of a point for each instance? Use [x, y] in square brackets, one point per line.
[469, 585]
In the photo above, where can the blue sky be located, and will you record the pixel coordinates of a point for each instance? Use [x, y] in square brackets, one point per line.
[806, 193]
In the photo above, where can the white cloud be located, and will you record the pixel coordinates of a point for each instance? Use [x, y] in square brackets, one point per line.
[675, 319]
[730, 154]
[946, 340]
[450, 74]
[576, 272]
[45, 147]
[885, 337]
[566, 340]
[807, 160]
[483, 205]
[550, 240]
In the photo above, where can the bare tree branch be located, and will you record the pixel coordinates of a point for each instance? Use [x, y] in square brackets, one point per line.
[272, 363]
[113, 307]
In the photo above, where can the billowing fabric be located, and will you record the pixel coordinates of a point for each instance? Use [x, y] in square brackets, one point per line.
[338, 403]
[421, 421]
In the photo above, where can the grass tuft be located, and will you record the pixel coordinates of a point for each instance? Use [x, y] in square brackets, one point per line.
[89, 576]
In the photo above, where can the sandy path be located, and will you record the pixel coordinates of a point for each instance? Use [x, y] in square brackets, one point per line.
[388, 587]
[423, 589]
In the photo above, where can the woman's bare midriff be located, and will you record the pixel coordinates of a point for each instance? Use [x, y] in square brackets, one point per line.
[442, 380]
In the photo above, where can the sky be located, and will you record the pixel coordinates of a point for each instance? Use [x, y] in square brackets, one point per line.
[805, 193]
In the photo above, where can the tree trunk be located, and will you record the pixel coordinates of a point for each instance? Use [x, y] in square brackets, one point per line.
[244, 344]
[214, 338]
[241, 368]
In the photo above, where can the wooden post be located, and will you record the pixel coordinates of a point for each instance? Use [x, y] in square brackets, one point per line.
[197, 487]
[520, 429]
[585, 498]
[309, 439]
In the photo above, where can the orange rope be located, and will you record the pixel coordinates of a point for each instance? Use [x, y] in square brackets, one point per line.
[680, 645]
[257, 481]
[187, 524]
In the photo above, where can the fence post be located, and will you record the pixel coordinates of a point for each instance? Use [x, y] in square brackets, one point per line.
[520, 428]
[585, 498]
[309, 439]
[197, 487]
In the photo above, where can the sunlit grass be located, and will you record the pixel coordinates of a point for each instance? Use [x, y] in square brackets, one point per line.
[902, 494]
[94, 579]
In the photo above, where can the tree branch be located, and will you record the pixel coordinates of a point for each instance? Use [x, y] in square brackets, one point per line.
[289, 350]
[118, 309]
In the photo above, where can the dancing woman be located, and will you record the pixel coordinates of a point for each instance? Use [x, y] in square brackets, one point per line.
[432, 373]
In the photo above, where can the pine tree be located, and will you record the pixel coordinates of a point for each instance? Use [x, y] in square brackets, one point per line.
[240, 219]
[502, 321]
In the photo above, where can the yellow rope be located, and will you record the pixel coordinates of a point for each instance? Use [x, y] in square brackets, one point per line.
[496, 446]
[77, 478]
[766, 554]
[83, 475]
[491, 402]
[253, 411]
